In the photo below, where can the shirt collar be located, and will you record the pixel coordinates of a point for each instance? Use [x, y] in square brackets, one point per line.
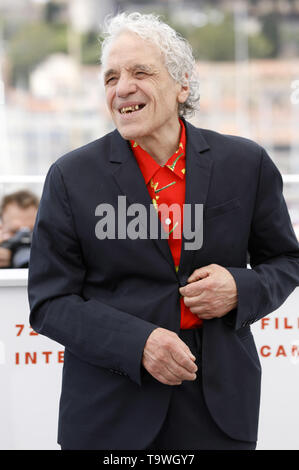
[149, 166]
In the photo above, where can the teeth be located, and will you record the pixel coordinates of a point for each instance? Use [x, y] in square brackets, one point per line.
[129, 108]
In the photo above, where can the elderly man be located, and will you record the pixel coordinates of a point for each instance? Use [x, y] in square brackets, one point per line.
[158, 348]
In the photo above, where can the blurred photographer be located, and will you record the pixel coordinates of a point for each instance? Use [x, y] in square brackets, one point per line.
[18, 213]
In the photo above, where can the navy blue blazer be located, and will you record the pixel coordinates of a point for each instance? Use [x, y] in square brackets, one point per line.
[101, 299]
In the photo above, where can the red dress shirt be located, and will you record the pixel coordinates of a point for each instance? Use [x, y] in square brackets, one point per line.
[166, 185]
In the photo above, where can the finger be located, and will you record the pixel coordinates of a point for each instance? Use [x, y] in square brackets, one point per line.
[168, 373]
[199, 273]
[181, 374]
[165, 380]
[182, 362]
[177, 358]
[195, 288]
[159, 371]
[197, 301]
[205, 316]
[185, 349]
[166, 376]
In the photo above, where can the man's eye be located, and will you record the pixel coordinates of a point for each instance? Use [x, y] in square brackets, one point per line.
[110, 80]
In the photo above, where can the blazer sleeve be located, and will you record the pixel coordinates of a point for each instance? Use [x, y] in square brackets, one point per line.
[90, 329]
[273, 250]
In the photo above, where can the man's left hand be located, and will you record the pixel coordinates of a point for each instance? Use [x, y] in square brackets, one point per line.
[211, 292]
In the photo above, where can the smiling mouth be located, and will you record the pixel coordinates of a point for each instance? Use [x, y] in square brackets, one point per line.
[131, 109]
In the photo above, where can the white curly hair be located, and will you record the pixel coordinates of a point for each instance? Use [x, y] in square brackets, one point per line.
[176, 50]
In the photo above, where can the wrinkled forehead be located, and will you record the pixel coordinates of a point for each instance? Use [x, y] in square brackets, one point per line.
[128, 49]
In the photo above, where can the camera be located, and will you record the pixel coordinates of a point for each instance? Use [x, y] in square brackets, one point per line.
[19, 245]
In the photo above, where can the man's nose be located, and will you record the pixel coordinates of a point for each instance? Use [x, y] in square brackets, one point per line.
[125, 86]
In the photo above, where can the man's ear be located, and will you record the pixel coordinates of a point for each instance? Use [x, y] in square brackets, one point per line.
[184, 91]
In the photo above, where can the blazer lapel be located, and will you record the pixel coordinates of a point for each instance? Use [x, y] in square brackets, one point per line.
[129, 178]
[198, 174]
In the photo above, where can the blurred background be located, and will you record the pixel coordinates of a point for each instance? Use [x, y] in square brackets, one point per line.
[52, 99]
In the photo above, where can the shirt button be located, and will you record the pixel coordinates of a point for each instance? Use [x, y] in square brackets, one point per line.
[167, 221]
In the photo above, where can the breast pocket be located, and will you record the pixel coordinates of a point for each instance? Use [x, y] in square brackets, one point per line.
[222, 208]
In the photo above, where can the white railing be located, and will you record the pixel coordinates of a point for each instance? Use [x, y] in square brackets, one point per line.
[290, 178]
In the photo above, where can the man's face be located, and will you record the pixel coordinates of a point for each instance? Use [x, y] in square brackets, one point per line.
[141, 95]
[14, 218]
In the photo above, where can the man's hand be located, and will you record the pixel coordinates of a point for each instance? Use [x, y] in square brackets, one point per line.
[5, 258]
[167, 358]
[211, 292]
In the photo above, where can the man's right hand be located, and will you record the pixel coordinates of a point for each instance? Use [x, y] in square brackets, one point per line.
[5, 258]
[167, 358]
